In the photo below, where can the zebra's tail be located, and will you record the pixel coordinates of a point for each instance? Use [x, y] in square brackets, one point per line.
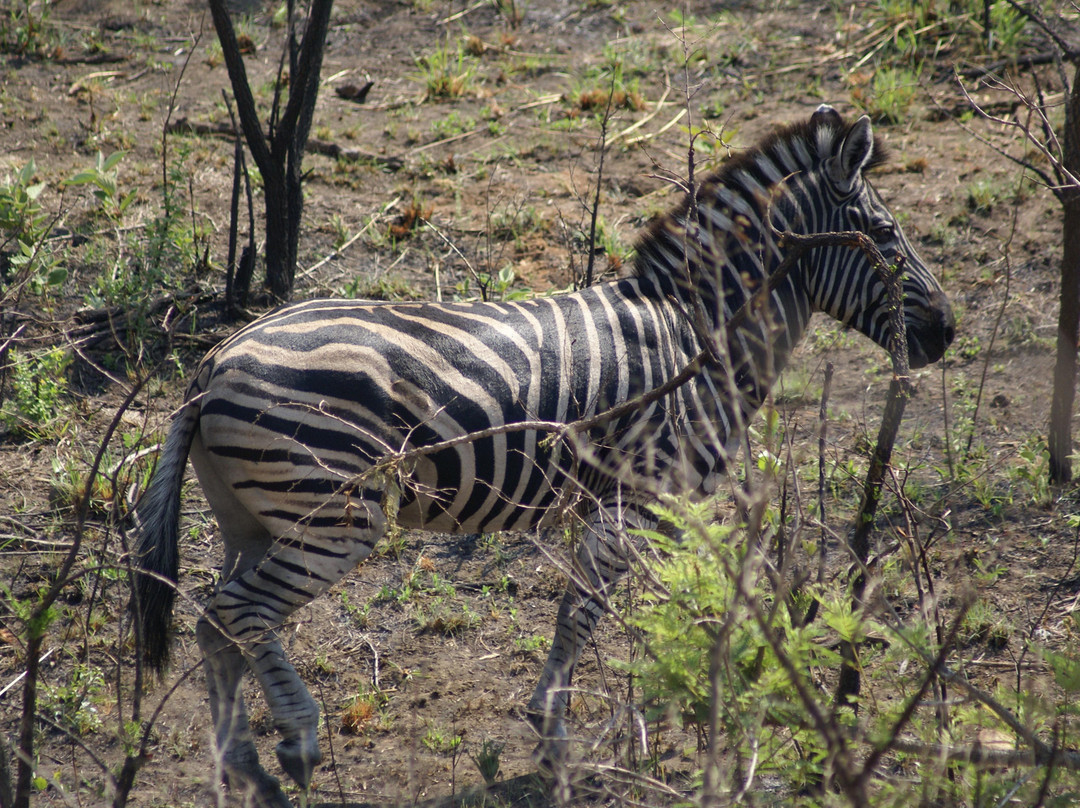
[157, 551]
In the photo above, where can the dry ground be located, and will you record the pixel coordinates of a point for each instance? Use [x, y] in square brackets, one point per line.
[503, 166]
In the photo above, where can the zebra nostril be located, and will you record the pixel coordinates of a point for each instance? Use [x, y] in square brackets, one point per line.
[948, 334]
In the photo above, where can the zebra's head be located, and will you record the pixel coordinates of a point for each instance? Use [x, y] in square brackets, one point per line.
[842, 281]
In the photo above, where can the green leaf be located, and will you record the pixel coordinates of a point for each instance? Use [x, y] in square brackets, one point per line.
[27, 173]
[112, 160]
[839, 617]
[84, 177]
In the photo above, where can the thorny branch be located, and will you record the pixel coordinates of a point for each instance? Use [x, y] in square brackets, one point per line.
[1047, 146]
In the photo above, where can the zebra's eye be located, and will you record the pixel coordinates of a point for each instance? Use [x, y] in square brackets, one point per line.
[882, 233]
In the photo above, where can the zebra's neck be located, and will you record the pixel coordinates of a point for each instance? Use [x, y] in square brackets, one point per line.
[711, 254]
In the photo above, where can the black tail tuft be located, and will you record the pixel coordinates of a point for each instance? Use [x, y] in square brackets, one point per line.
[157, 552]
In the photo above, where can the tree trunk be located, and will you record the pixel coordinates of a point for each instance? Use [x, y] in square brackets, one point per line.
[1061, 408]
[280, 156]
[280, 247]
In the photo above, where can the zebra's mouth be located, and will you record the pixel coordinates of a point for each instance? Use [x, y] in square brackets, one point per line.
[929, 336]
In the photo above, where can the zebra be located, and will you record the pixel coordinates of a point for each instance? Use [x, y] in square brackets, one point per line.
[289, 422]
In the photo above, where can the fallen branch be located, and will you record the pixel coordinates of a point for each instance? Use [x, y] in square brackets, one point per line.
[184, 126]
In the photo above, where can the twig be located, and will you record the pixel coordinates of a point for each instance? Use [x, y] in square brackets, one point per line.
[978, 755]
[848, 684]
[352, 240]
[20, 677]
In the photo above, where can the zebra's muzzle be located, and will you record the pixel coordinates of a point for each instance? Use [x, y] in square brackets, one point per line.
[930, 332]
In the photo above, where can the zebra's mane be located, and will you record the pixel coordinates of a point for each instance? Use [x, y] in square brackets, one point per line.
[808, 143]
[792, 148]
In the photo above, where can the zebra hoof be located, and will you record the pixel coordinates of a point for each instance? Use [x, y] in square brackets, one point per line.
[551, 753]
[298, 759]
[264, 789]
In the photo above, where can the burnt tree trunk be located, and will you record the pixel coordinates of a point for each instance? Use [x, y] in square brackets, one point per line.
[280, 154]
[1068, 335]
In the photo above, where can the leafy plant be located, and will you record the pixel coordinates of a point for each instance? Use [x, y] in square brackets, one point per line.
[25, 27]
[498, 286]
[72, 703]
[441, 741]
[699, 615]
[37, 392]
[887, 94]
[488, 761]
[23, 230]
[103, 177]
[366, 710]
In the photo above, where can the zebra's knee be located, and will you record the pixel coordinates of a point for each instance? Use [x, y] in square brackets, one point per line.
[210, 636]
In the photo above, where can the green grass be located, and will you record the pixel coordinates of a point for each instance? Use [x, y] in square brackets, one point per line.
[448, 71]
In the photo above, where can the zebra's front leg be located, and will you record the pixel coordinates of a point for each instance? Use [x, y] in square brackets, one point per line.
[601, 562]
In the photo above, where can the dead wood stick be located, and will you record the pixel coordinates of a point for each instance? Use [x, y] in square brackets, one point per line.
[324, 147]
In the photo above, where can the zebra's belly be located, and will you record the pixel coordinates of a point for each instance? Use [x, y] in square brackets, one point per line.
[329, 476]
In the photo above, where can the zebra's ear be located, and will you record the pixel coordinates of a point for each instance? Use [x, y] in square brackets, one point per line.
[855, 152]
[825, 115]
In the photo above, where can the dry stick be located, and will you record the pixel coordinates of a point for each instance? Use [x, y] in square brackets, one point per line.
[599, 184]
[1005, 254]
[979, 755]
[848, 686]
[38, 621]
[929, 602]
[823, 541]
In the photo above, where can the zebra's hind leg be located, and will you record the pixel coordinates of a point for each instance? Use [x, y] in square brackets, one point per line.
[224, 667]
[246, 543]
[249, 608]
[309, 556]
[601, 562]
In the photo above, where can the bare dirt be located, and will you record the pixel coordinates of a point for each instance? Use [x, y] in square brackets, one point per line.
[504, 169]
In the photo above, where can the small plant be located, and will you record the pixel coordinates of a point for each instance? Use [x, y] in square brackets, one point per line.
[364, 711]
[532, 644]
[443, 742]
[513, 11]
[498, 287]
[448, 72]
[453, 123]
[982, 195]
[608, 91]
[488, 761]
[1031, 472]
[440, 617]
[71, 704]
[23, 229]
[887, 94]
[103, 178]
[1006, 28]
[37, 393]
[359, 614]
[340, 231]
[25, 28]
